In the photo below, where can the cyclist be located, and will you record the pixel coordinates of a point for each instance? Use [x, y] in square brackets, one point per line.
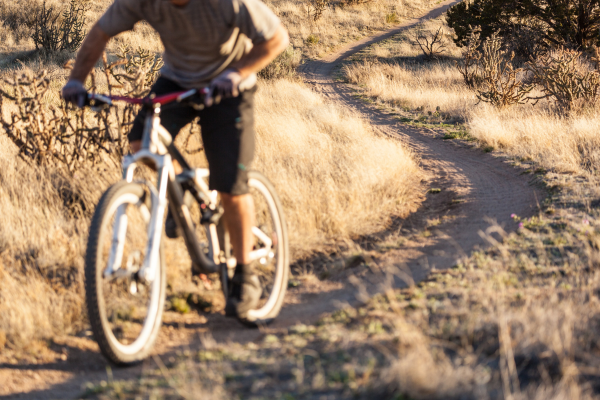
[215, 43]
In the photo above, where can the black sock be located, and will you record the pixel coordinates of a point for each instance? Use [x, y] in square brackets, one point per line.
[236, 282]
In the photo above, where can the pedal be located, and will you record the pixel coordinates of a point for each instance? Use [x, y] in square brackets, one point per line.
[210, 216]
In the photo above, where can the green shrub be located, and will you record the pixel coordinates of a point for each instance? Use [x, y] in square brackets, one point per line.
[392, 18]
[312, 39]
[570, 23]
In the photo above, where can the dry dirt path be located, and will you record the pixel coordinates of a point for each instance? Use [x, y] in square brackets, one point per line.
[475, 186]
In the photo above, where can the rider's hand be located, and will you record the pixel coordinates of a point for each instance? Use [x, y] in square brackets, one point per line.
[226, 84]
[74, 92]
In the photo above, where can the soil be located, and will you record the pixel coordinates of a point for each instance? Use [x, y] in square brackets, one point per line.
[475, 189]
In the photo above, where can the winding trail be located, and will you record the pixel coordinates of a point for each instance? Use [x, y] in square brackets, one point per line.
[475, 188]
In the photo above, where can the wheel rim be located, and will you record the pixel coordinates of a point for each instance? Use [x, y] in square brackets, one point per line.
[271, 273]
[128, 318]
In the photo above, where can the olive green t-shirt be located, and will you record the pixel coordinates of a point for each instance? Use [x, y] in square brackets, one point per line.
[201, 38]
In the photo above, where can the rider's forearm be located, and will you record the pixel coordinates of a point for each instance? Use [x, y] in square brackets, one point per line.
[92, 48]
[262, 53]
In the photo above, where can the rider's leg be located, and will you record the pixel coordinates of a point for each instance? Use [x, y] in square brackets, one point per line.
[245, 288]
[239, 217]
[228, 138]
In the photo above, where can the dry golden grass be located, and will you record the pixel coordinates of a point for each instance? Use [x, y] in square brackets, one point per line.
[337, 178]
[332, 189]
[560, 143]
[394, 72]
[519, 320]
[339, 24]
[412, 86]
[525, 304]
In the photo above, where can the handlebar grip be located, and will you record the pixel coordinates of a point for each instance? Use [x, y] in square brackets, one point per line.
[97, 100]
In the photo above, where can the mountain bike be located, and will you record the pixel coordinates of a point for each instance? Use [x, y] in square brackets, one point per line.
[125, 272]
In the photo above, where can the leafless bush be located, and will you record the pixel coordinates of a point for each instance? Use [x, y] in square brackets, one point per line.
[471, 57]
[54, 31]
[315, 8]
[565, 76]
[49, 135]
[141, 70]
[488, 70]
[432, 45]
[67, 139]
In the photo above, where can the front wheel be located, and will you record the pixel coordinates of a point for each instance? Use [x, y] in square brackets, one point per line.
[125, 312]
[270, 252]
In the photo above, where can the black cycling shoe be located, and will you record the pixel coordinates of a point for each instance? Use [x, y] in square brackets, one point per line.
[244, 293]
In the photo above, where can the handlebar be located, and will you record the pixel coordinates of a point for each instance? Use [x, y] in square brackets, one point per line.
[194, 96]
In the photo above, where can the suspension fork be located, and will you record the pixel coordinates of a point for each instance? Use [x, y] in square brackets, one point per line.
[151, 262]
[115, 257]
[158, 195]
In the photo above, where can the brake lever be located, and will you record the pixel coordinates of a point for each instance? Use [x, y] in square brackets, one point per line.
[199, 94]
[98, 102]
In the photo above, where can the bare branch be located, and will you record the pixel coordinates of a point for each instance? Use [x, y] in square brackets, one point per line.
[432, 45]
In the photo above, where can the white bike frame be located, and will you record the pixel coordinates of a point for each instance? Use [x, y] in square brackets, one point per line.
[156, 152]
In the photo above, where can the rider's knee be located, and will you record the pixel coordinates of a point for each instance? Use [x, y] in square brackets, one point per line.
[231, 200]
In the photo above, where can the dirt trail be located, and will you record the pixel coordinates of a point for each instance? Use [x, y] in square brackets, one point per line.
[475, 186]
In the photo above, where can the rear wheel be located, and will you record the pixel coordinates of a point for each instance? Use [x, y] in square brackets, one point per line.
[270, 251]
[125, 313]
